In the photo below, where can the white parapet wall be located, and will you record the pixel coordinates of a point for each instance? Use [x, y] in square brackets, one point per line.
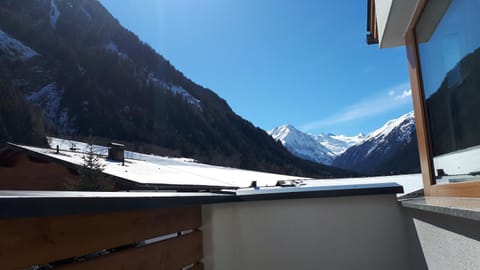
[352, 232]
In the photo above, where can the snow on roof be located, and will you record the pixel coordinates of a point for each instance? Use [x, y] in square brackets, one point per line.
[410, 183]
[151, 169]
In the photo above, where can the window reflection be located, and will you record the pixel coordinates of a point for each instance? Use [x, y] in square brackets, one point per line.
[449, 44]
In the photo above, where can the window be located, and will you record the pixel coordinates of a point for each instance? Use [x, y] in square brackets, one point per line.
[449, 56]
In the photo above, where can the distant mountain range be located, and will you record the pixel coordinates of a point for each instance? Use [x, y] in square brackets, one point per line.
[391, 149]
[70, 69]
[322, 148]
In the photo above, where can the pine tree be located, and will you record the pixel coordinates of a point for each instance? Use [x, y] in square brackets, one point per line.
[91, 174]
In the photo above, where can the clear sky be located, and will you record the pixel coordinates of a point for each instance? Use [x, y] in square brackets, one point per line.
[302, 62]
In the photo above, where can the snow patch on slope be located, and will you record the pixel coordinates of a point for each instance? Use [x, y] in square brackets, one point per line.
[54, 14]
[113, 48]
[86, 13]
[403, 126]
[338, 144]
[177, 90]
[48, 99]
[14, 49]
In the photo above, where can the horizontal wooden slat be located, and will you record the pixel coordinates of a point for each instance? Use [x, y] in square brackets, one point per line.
[26, 242]
[169, 254]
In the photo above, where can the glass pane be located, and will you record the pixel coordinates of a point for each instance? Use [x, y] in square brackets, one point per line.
[449, 51]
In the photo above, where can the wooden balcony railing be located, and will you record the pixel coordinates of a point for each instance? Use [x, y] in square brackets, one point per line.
[45, 230]
[105, 240]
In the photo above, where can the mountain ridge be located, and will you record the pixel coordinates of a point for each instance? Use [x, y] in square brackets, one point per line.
[390, 149]
[322, 148]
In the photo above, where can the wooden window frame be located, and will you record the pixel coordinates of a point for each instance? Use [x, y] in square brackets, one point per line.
[464, 189]
[372, 26]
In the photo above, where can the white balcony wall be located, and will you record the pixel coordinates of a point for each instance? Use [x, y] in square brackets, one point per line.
[356, 232]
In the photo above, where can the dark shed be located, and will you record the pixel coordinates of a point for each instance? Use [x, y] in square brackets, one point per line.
[116, 151]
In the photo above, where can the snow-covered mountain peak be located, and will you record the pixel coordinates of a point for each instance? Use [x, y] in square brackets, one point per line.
[301, 144]
[326, 134]
[322, 148]
[326, 147]
[351, 140]
[289, 134]
[406, 123]
[338, 143]
[389, 149]
[281, 132]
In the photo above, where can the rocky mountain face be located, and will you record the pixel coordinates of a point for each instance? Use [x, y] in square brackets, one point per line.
[392, 149]
[75, 63]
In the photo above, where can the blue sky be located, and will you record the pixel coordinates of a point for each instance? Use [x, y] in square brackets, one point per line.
[302, 62]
